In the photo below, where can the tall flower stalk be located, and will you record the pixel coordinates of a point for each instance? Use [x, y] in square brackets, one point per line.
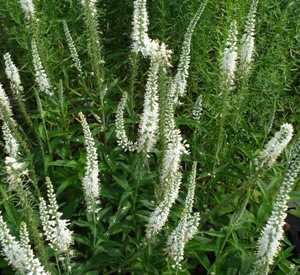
[19, 253]
[141, 43]
[227, 76]
[15, 168]
[272, 234]
[72, 48]
[140, 36]
[94, 45]
[274, 147]
[247, 47]
[187, 226]
[160, 215]
[13, 75]
[229, 59]
[179, 84]
[170, 176]
[149, 120]
[55, 229]
[91, 182]
[6, 115]
[41, 77]
[173, 144]
[122, 138]
[28, 9]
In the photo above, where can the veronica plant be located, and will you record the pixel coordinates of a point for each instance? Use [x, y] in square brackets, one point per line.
[275, 146]
[187, 227]
[247, 47]
[272, 234]
[19, 253]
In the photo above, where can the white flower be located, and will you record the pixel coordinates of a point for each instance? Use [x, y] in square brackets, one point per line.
[91, 5]
[160, 215]
[55, 229]
[197, 111]
[122, 138]
[229, 57]
[141, 41]
[12, 74]
[15, 171]
[10, 143]
[28, 8]
[272, 234]
[171, 160]
[19, 254]
[36, 267]
[247, 41]
[5, 105]
[91, 183]
[41, 77]
[275, 146]
[180, 81]
[140, 38]
[149, 120]
[187, 226]
[72, 48]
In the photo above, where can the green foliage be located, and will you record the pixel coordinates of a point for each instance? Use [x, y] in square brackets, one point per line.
[234, 199]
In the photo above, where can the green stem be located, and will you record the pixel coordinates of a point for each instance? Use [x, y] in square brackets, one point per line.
[57, 263]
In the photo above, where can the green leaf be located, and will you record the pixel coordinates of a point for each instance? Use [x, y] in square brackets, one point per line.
[202, 258]
[122, 182]
[81, 223]
[41, 132]
[81, 239]
[66, 163]
[66, 183]
[115, 228]
[121, 213]
[215, 233]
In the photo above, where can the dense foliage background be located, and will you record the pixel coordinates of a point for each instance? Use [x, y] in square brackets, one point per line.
[129, 190]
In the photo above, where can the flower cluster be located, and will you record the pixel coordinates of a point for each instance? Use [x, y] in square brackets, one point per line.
[11, 146]
[197, 111]
[91, 183]
[94, 46]
[160, 215]
[6, 110]
[247, 42]
[141, 41]
[180, 81]
[36, 267]
[149, 120]
[229, 58]
[19, 254]
[174, 150]
[91, 6]
[12, 74]
[15, 170]
[122, 138]
[55, 229]
[275, 146]
[72, 48]
[28, 8]
[170, 177]
[41, 77]
[187, 226]
[272, 234]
